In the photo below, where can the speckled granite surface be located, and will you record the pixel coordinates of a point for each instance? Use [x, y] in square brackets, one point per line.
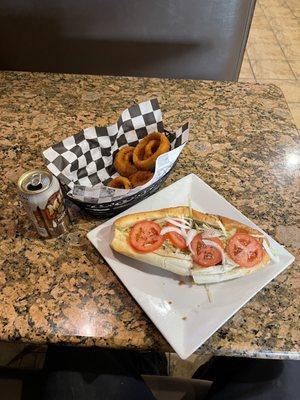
[243, 143]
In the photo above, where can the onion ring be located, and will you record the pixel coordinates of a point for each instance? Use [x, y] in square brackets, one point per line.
[123, 162]
[140, 178]
[139, 151]
[151, 148]
[120, 183]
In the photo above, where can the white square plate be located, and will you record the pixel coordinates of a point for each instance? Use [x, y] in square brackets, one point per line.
[183, 313]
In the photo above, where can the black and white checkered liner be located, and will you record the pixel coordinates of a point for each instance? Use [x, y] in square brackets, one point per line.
[85, 160]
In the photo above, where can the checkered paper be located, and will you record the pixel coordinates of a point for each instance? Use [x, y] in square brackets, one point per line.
[84, 162]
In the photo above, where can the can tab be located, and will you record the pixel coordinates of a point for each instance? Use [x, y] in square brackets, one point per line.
[36, 182]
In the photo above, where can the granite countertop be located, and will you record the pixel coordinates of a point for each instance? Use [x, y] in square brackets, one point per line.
[242, 142]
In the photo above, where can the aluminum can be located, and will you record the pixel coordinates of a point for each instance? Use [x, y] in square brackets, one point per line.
[42, 198]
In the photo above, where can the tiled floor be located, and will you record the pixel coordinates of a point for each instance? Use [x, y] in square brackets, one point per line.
[186, 368]
[273, 49]
[21, 356]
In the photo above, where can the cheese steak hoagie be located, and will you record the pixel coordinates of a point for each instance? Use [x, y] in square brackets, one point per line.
[210, 248]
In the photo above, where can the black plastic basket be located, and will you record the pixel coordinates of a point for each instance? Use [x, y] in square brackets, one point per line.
[107, 210]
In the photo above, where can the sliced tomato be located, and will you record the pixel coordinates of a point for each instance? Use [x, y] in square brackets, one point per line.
[176, 239]
[145, 236]
[245, 250]
[203, 255]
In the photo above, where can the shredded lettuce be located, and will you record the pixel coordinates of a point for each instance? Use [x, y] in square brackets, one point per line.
[198, 227]
[270, 251]
[168, 246]
[222, 227]
[232, 232]
[208, 292]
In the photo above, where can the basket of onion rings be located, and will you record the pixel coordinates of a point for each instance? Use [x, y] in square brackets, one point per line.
[105, 170]
[131, 177]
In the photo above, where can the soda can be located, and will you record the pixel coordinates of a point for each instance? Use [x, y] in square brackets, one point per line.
[42, 198]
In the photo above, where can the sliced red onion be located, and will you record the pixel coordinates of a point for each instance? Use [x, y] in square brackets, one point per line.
[191, 250]
[168, 229]
[184, 232]
[183, 226]
[190, 237]
[217, 246]
[175, 222]
[269, 251]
